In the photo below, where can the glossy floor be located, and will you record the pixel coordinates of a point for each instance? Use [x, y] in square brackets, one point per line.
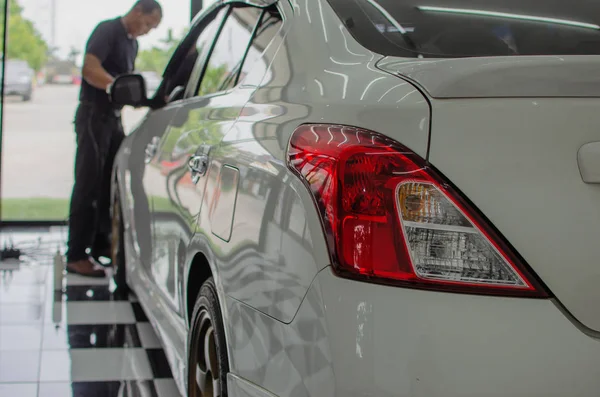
[81, 340]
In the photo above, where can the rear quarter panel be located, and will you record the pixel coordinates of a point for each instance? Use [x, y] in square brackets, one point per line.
[314, 73]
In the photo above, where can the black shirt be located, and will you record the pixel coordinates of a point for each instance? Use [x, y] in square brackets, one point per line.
[116, 50]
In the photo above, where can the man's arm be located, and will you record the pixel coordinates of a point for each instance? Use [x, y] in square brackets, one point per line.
[97, 49]
[94, 73]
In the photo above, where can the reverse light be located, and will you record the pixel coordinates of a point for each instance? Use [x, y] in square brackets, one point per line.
[390, 218]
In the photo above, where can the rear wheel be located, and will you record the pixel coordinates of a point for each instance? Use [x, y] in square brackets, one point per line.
[118, 246]
[207, 358]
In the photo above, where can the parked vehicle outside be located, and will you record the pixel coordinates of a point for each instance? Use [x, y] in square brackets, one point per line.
[61, 72]
[18, 79]
[357, 198]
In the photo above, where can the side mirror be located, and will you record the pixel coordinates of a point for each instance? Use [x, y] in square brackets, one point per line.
[129, 90]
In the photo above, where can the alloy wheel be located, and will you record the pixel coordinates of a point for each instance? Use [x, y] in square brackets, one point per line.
[205, 362]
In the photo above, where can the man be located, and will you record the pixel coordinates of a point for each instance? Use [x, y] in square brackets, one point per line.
[111, 50]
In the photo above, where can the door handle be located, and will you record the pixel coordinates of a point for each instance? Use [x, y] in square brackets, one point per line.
[151, 149]
[198, 165]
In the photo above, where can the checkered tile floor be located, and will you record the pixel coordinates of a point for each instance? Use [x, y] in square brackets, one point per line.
[80, 341]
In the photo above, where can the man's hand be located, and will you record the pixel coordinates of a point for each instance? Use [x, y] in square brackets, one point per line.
[94, 73]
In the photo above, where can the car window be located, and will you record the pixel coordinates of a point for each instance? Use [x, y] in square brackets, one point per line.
[230, 48]
[472, 28]
[186, 70]
[255, 67]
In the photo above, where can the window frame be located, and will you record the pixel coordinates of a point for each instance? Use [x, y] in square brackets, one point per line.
[232, 4]
[245, 56]
[202, 61]
[194, 93]
[256, 31]
[199, 24]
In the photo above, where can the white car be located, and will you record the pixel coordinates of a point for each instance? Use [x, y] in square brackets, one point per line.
[370, 198]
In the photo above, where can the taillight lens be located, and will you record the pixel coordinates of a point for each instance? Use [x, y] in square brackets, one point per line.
[390, 218]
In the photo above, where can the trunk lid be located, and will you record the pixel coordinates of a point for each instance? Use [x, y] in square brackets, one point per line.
[520, 160]
[498, 77]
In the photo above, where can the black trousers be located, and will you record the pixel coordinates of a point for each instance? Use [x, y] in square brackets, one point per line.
[99, 134]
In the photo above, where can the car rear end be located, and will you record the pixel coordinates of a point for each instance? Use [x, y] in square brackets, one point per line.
[473, 271]
[18, 79]
[62, 79]
[62, 72]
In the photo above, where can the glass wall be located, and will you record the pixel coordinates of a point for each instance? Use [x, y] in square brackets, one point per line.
[45, 42]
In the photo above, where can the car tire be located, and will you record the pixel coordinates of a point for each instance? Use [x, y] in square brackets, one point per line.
[118, 246]
[208, 364]
[26, 98]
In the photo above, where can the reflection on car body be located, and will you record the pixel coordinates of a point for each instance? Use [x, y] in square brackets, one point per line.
[359, 197]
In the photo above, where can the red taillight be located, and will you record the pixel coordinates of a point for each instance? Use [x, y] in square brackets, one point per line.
[390, 218]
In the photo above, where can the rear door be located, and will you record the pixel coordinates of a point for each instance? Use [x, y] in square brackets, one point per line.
[166, 166]
[211, 104]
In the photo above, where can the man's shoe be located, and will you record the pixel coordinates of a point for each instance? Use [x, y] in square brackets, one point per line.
[86, 268]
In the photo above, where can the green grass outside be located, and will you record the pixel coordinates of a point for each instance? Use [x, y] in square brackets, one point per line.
[53, 209]
[50, 209]
[35, 209]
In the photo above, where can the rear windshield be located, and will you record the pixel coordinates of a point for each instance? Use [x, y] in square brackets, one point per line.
[473, 28]
[14, 68]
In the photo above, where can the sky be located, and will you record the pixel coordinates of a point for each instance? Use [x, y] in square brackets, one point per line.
[75, 19]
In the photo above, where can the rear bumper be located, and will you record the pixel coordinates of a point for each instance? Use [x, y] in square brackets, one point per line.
[387, 341]
[353, 339]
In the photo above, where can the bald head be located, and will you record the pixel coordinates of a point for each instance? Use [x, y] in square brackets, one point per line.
[148, 6]
[143, 17]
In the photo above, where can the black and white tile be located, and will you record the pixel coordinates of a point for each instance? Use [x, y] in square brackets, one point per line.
[83, 340]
